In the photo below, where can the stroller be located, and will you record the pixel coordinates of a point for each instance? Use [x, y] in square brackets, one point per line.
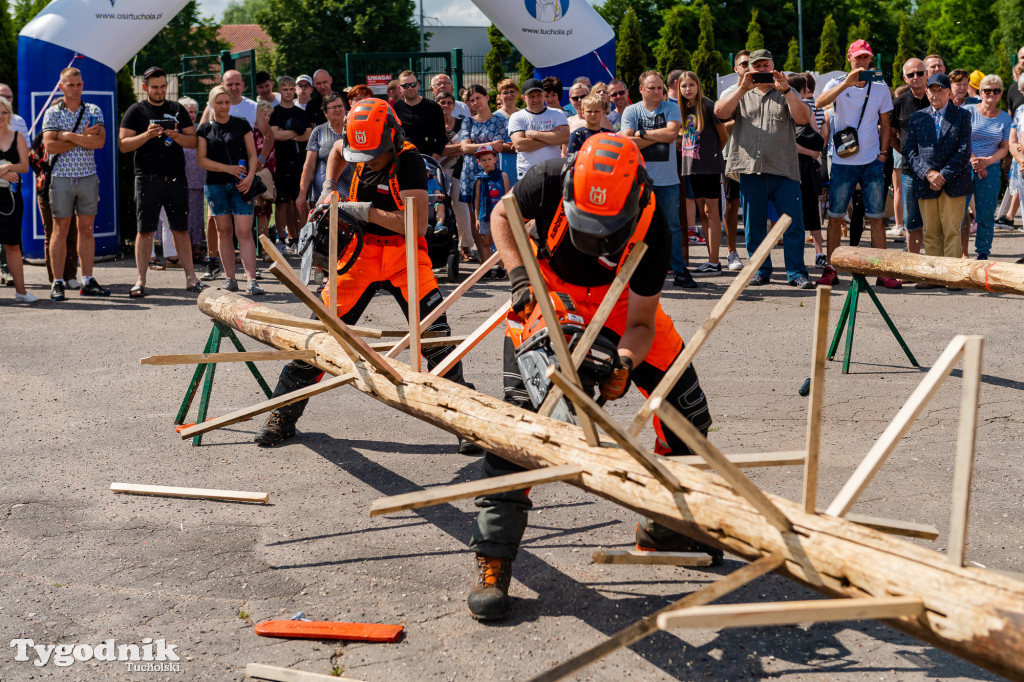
[442, 230]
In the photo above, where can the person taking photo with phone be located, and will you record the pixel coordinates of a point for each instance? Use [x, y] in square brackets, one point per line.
[860, 125]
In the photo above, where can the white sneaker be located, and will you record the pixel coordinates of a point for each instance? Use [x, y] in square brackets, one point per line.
[74, 284]
[734, 261]
[25, 298]
[895, 233]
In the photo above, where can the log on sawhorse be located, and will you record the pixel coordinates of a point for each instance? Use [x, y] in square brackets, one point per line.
[848, 318]
[219, 332]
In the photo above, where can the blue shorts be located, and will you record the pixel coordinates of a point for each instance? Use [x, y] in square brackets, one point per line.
[226, 200]
[484, 226]
[844, 180]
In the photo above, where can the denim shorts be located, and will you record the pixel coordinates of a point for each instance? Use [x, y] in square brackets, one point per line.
[843, 182]
[484, 227]
[226, 200]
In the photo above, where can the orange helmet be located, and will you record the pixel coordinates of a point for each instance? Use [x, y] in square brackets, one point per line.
[604, 190]
[371, 129]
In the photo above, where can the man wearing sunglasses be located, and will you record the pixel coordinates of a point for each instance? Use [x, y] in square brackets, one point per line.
[914, 99]
[422, 119]
[620, 100]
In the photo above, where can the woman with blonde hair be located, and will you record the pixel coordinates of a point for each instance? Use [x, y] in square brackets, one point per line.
[13, 162]
[702, 137]
[227, 152]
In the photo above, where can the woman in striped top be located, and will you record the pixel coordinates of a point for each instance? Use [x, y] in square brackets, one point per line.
[990, 135]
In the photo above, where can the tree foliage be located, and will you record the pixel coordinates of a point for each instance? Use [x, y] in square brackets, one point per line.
[8, 49]
[755, 39]
[186, 33]
[859, 31]
[706, 60]
[494, 62]
[649, 19]
[830, 54]
[630, 56]
[25, 11]
[526, 70]
[904, 50]
[312, 34]
[670, 53]
[243, 11]
[792, 56]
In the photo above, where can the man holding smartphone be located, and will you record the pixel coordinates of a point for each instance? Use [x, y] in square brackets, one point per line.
[860, 125]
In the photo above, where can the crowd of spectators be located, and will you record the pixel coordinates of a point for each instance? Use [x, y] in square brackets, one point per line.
[938, 148]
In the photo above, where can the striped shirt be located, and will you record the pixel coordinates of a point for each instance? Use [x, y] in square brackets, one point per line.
[987, 133]
[77, 162]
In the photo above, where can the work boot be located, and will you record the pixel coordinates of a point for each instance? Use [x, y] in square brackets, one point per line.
[469, 448]
[488, 600]
[653, 537]
[277, 430]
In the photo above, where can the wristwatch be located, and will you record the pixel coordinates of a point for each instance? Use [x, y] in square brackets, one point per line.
[640, 134]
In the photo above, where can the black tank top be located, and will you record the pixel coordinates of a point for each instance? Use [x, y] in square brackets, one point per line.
[12, 153]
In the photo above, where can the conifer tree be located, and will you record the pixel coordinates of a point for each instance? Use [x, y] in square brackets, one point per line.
[669, 53]
[904, 50]
[755, 39]
[830, 54]
[630, 59]
[792, 56]
[706, 61]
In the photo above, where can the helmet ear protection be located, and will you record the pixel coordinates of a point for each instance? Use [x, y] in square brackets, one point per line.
[374, 127]
[642, 178]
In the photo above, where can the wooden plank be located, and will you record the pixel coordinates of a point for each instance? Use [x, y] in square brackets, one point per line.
[791, 613]
[478, 335]
[543, 297]
[412, 212]
[486, 486]
[649, 624]
[303, 323]
[473, 278]
[896, 429]
[266, 406]
[247, 356]
[586, 405]
[335, 327]
[819, 349]
[696, 441]
[332, 256]
[964, 470]
[277, 674]
[596, 323]
[424, 342]
[749, 460]
[691, 349]
[200, 493]
[636, 557]
[894, 527]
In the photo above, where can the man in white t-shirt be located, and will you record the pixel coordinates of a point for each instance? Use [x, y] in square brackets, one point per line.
[863, 106]
[241, 106]
[537, 131]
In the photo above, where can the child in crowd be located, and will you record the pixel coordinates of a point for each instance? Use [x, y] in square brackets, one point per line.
[592, 111]
[488, 188]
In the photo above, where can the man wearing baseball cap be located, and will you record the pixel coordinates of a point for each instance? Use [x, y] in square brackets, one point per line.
[860, 121]
[538, 131]
[938, 151]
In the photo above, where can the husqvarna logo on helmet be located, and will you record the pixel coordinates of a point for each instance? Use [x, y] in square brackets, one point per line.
[598, 195]
[360, 137]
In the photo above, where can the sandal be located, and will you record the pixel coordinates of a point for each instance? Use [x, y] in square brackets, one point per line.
[173, 263]
[138, 291]
[156, 265]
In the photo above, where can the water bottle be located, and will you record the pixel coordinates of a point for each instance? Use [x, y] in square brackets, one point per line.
[93, 119]
[167, 140]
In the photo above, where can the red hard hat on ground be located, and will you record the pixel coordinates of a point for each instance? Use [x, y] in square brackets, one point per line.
[602, 193]
[371, 129]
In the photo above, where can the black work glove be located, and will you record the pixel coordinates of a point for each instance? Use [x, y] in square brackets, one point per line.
[522, 295]
[616, 385]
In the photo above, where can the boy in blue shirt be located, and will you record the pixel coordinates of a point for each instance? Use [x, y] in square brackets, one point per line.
[488, 189]
[592, 113]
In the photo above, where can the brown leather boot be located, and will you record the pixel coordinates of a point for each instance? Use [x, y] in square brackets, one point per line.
[488, 600]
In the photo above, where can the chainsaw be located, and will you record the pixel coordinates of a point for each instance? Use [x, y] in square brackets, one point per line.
[534, 353]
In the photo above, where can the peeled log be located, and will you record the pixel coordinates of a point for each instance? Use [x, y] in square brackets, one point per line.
[986, 275]
[971, 612]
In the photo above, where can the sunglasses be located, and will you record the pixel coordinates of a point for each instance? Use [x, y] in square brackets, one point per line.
[744, 64]
[577, 98]
[409, 86]
[914, 74]
[992, 91]
[618, 93]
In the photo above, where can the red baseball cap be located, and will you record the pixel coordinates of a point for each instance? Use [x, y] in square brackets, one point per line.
[859, 47]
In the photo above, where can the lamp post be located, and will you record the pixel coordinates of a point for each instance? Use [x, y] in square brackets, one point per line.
[799, 30]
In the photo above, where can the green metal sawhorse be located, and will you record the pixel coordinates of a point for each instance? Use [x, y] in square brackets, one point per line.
[219, 332]
[849, 314]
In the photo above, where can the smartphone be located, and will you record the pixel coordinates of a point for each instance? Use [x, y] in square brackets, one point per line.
[872, 75]
[763, 77]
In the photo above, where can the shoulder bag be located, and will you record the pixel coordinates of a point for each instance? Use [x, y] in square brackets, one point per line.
[845, 141]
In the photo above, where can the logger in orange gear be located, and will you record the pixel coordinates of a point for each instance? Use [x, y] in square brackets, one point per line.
[590, 210]
[388, 173]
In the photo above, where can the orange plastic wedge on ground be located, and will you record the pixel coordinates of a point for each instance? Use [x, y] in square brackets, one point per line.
[325, 629]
